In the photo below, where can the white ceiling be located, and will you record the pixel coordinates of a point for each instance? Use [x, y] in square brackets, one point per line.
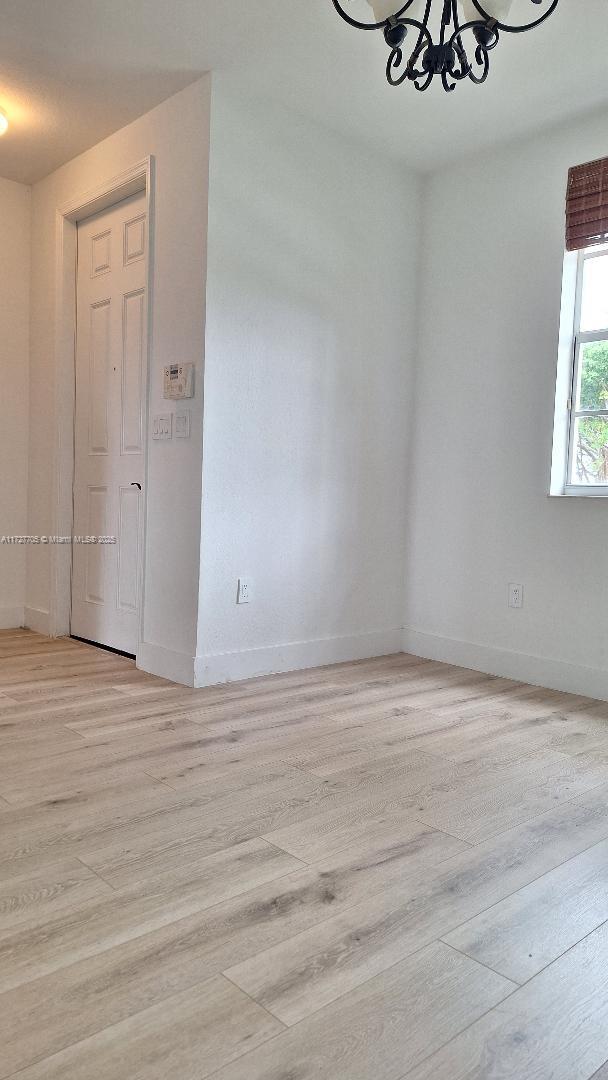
[73, 71]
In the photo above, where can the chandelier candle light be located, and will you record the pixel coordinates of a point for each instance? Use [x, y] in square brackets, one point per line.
[468, 31]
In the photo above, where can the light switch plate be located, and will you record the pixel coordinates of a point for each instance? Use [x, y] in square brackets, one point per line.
[162, 426]
[182, 424]
[243, 595]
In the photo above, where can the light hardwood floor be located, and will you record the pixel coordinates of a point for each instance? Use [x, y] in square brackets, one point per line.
[386, 869]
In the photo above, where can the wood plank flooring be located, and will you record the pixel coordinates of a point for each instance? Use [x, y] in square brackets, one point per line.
[381, 870]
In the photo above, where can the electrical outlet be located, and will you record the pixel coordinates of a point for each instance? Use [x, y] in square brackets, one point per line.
[516, 596]
[243, 595]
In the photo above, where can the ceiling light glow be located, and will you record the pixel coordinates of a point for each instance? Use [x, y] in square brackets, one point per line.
[3, 122]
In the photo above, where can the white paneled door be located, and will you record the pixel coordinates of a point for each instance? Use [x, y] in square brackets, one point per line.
[111, 373]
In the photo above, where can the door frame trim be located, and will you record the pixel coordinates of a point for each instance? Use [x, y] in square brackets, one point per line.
[139, 178]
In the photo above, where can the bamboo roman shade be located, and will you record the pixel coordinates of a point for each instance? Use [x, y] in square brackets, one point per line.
[587, 205]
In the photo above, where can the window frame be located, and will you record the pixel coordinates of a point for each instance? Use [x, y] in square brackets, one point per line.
[579, 339]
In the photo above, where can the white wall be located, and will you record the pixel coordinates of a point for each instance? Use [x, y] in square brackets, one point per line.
[176, 133]
[313, 244]
[14, 363]
[371, 417]
[479, 516]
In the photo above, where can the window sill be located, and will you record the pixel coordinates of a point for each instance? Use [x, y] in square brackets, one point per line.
[578, 495]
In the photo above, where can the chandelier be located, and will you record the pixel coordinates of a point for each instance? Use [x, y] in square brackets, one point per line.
[467, 33]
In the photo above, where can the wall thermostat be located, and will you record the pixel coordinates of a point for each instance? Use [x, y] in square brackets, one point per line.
[178, 381]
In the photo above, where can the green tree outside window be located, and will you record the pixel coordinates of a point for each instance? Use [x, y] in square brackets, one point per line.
[591, 461]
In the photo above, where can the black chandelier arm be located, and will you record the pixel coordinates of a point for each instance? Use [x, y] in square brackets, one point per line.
[517, 29]
[369, 26]
[424, 34]
[445, 17]
[481, 50]
[483, 60]
[461, 66]
[460, 69]
[422, 86]
[447, 86]
[455, 18]
[395, 61]
[396, 56]
[456, 37]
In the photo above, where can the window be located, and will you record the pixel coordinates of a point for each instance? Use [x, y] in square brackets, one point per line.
[580, 435]
[587, 458]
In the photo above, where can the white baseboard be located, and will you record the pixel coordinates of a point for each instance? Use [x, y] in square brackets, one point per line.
[174, 666]
[38, 620]
[524, 667]
[272, 659]
[11, 618]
